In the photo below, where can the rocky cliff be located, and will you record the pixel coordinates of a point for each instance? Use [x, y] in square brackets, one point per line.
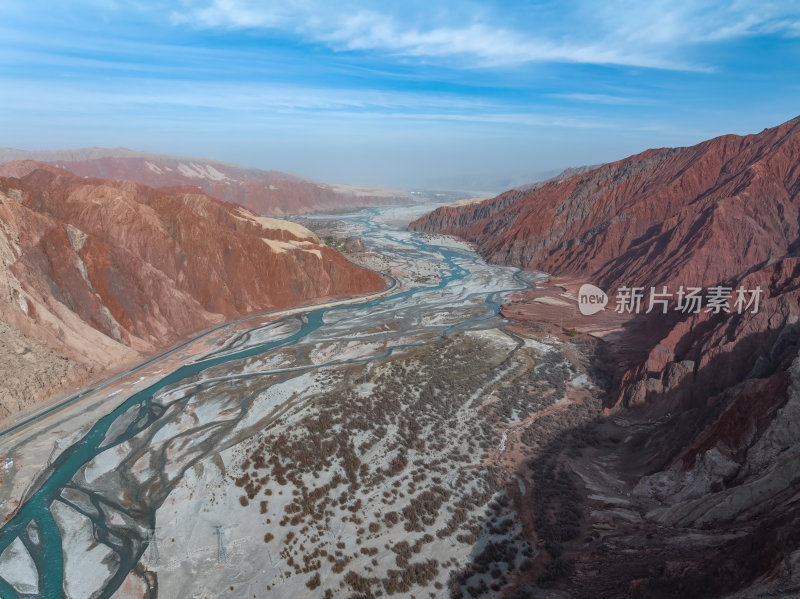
[100, 271]
[689, 215]
[722, 212]
[697, 494]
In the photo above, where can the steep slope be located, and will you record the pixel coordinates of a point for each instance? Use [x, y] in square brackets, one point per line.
[100, 270]
[695, 491]
[264, 192]
[688, 215]
[724, 211]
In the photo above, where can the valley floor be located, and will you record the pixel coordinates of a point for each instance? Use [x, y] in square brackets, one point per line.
[412, 444]
[333, 451]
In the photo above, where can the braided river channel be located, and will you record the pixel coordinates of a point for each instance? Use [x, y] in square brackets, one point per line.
[98, 492]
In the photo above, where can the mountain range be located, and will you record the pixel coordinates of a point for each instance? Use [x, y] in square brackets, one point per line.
[264, 192]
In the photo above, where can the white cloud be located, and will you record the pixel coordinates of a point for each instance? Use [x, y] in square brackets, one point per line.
[667, 23]
[491, 46]
[619, 32]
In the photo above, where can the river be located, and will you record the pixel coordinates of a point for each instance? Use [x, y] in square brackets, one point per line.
[87, 512]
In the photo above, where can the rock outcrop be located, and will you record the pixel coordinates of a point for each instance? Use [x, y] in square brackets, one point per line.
[101, 271]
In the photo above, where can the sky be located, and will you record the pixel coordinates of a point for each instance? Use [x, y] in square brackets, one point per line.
[457, 95]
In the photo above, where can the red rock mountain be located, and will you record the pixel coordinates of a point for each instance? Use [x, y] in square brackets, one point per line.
[99, 270]
[712, 453]
[688, 215]
[264, 192]
[724, 211]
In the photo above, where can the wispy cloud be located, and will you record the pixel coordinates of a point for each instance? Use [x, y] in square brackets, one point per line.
[620, 32]
[242, 98]
[665, 23]
[489, 45]
[595, 98]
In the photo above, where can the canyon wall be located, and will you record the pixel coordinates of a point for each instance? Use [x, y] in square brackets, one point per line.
[708, 449]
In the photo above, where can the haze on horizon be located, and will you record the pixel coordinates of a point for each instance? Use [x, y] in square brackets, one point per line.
[468, 95]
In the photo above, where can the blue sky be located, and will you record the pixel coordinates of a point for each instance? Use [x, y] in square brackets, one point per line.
[450, 94]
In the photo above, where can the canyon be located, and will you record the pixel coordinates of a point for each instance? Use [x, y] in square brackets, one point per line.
[451, 427]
